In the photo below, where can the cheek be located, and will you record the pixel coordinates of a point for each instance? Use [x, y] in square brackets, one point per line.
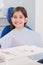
[24, 21]
[13, 20]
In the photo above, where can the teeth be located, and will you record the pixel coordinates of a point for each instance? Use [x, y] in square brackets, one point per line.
[17, 23]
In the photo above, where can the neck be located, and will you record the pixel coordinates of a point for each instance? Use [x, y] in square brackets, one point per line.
[19, 28]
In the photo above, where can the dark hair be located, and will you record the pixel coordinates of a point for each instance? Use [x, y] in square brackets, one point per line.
[23, 10]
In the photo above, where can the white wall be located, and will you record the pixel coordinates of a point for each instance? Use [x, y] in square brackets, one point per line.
[39, 17]
[28, 4]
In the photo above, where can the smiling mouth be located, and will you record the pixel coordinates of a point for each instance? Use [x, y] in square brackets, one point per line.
[17, 23]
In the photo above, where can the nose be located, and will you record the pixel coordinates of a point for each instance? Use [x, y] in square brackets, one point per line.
[18, 19]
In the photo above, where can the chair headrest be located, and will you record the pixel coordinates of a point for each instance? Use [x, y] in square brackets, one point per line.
[10, 9]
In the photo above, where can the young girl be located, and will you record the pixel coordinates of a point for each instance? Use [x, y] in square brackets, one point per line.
[19, 35]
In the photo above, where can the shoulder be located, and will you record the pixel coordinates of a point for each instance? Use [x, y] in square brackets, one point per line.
[10, 34]
[31, 32]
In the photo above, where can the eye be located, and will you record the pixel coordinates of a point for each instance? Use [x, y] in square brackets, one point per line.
[15, 17]
[21, 17]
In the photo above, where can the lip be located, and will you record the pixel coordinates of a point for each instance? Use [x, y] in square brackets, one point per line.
[17, 23]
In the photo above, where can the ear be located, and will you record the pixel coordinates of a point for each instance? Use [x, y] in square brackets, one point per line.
[26, 20]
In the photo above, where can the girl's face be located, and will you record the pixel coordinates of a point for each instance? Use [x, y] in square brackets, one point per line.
[18, 20]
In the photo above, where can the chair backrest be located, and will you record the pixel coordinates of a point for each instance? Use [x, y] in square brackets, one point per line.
[7, 28]
[27, 26]
[10, 9]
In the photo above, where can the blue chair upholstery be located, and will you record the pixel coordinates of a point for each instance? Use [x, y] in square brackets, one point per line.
[9, 13]
[27, 26]
[7, 28]
[5, 31]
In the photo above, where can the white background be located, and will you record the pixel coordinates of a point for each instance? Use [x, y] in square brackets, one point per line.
[39, 17]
